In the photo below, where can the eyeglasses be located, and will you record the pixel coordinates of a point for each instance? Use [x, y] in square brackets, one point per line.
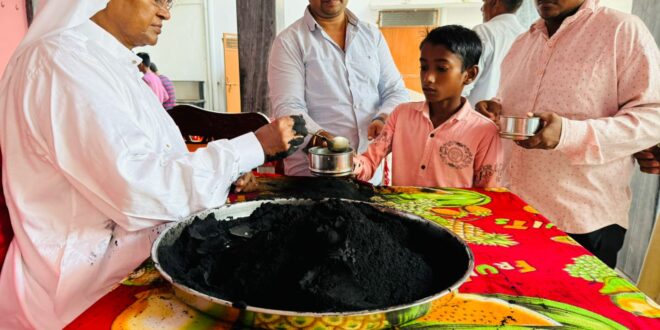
[165, 4]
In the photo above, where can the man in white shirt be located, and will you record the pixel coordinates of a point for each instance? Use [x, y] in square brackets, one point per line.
[498, 32]
[338, 72]
[90, 170]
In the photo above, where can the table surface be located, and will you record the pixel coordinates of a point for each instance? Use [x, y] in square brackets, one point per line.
[528, 274]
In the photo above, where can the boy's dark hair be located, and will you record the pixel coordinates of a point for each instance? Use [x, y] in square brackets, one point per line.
[457, 39]
[146, 60]
[153, 67]
[512, 6]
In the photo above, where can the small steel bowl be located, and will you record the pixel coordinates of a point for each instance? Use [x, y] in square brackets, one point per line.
[519, 128]
[323, 162]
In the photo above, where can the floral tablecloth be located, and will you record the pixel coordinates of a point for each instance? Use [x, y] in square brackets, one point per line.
[528, 274]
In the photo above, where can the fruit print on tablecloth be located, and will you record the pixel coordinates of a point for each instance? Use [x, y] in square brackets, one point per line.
[429, 203]
[621, 292]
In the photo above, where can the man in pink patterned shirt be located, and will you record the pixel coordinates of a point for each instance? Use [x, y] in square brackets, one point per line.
[593, 76]
[441, 142]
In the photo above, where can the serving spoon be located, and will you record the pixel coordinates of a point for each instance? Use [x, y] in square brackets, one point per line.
[335, 144]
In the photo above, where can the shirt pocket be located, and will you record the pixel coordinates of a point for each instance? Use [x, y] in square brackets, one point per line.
[324, 80]
[366, 69]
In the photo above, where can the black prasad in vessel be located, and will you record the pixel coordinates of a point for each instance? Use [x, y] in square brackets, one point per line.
[330, 256]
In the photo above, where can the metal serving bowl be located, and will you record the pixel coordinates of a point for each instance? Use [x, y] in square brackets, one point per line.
[454, 255]
[323, 162]
[519, 128]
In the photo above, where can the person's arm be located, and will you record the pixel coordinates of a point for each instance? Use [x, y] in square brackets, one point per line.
[488, 161]
[286, 82]
[636, 125]
[366, 164]
[390, 84]
[117, 164]
[391, 89]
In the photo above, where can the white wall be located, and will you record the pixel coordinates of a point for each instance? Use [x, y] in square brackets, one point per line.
[183, 52]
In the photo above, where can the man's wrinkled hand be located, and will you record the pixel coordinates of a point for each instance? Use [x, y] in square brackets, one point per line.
[649, 160]
[490, 109]
[376, 126]
[548, 137]
[282, 137]
[246, 183]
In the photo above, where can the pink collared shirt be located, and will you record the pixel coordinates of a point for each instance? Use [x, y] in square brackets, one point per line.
[462, 152]
[601, 72]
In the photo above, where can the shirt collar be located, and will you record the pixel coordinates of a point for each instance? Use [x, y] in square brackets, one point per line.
[460, 115]
[504, 17]
[106, 40]
[587, 7]
[312, 24]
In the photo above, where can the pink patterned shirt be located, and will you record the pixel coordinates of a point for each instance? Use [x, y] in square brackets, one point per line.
[601, 72]
[462, 152]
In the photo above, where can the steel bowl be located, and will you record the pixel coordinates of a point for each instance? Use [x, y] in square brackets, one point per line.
[519, 128]
[454, 257]
[324, 162]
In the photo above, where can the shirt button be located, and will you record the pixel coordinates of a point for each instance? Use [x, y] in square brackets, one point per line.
[423, 167]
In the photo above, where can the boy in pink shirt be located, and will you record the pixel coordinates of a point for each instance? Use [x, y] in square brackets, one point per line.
[441, 142]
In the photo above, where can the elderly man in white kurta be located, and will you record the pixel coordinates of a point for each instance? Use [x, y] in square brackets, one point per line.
[92, 165]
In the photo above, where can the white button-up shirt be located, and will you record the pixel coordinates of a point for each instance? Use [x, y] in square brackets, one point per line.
[497, 36]
[338, 90]
[92, 166]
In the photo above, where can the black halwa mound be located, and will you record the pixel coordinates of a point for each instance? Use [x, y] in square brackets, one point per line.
[325, 257]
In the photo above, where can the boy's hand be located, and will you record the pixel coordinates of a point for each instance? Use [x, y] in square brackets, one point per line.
[376, 126]
[548, 136]
[490, 109]
[649, 160]
[357, 166]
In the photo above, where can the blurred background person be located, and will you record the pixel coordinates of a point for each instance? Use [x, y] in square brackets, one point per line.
[151, 78]
[169, 87]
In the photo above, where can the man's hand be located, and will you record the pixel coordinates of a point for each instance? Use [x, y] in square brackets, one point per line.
[490, 109]
[649, 160]
[548, 136]
[317, 141]
[282, 137]
[246, 183]
[376, 126]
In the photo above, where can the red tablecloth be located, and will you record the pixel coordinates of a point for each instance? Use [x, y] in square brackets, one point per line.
[524, 266]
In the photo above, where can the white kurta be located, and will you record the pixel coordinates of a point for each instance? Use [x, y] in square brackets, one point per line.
[92, 165]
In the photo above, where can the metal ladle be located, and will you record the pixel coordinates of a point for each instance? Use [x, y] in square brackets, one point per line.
[336, 144]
